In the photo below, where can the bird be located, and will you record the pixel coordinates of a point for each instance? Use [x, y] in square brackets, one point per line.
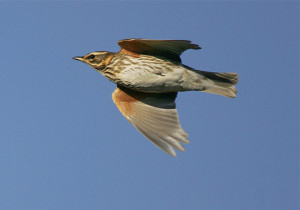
[149, 74]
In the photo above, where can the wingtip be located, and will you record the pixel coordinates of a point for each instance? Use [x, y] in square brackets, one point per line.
[173, 154]
[196, 47]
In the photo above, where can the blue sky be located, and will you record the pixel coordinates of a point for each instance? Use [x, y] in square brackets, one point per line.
[64, 144]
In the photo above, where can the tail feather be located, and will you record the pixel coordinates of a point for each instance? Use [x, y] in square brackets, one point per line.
[229, 78]
[223, 83]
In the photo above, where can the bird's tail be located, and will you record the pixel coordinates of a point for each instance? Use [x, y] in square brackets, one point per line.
[223, 83]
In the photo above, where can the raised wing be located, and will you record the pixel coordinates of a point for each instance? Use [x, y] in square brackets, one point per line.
[170, 49]
[154, 115]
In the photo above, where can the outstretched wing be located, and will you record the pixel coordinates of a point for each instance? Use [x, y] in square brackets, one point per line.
[170, 49]
[154, 115]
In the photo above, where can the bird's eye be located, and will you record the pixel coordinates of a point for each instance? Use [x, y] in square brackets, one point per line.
[92, 56]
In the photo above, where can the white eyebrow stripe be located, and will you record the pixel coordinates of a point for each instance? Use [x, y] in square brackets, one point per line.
[98, 53]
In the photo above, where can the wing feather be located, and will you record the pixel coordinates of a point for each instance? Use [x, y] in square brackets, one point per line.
[160, 144]
[174, 132]
[158, 134]
[169, 49]
[154, 115]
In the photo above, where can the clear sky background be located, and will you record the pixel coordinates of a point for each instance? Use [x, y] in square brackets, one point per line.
[64, 144]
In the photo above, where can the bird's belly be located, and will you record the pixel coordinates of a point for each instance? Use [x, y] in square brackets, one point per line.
[152, 79]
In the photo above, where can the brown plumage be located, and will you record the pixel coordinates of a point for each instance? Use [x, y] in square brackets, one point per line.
[148, 74]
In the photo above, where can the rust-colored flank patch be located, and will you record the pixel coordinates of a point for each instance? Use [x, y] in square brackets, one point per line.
[127, 52]
[124, 102]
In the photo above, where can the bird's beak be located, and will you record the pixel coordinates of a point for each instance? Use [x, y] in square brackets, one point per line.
[79, 58]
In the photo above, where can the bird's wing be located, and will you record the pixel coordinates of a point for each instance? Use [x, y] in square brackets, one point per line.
[170, 49]
[154, 115]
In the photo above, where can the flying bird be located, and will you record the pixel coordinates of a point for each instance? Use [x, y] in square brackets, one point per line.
[149, 74]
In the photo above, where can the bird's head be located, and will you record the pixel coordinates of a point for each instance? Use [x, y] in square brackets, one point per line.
[97, 60]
